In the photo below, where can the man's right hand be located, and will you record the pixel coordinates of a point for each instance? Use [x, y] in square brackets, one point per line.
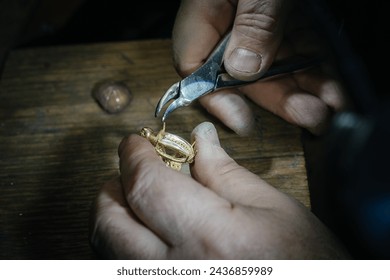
[262, 31]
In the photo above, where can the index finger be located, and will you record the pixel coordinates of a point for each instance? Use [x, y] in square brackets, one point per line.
[199, 26]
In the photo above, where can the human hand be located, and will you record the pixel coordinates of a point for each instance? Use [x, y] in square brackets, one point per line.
[222, 212]
[263, 31]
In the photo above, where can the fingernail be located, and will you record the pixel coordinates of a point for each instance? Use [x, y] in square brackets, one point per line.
[207, 131]
[244, 60]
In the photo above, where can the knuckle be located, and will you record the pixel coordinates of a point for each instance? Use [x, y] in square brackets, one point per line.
[229, 167]
[256, 26]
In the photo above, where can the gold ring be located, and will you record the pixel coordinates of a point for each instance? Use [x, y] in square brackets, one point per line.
[172, 149]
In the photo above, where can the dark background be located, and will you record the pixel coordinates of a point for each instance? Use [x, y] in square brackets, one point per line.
[26, 23]
[114, 20]
[35, 23]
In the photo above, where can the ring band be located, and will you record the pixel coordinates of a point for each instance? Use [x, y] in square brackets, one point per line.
[172, 149]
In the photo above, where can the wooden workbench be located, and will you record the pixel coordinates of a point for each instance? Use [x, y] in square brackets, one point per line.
[57, 146]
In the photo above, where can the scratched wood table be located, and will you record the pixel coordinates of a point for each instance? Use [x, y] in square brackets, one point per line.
[57, 146]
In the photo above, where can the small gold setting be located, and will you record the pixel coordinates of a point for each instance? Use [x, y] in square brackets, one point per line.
[172, 149]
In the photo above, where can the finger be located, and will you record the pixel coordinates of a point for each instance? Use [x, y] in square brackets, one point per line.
[283, 98]
[304, 40]
[116, 233]
[170, 203]
[231, 109]
[217, 171]
[327, 89]
[256, 36]
[199, 26]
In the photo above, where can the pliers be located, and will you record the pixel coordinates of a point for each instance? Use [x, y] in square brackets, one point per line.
[211, 77]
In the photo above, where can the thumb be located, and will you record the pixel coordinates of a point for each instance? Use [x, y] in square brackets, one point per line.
[256, 36]
[216, 170]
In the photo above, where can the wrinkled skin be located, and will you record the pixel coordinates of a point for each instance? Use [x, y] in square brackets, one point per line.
[222, 211]
[262, 31]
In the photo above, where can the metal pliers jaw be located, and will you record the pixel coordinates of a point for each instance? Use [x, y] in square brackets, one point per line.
[201, 82]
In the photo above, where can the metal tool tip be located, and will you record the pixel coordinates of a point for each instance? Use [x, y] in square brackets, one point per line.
[171, 94]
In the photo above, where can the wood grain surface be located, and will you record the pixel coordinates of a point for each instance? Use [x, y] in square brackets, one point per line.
[57, 146]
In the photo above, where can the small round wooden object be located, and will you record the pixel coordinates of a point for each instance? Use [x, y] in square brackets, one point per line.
[113, 97]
